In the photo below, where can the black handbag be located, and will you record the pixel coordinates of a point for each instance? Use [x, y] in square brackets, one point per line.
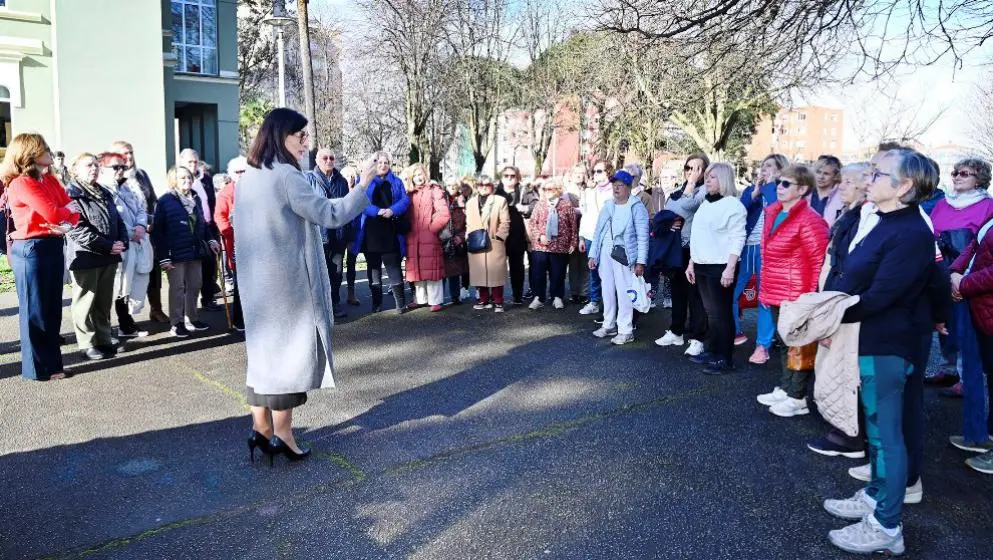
[617, 252]
[478, 241]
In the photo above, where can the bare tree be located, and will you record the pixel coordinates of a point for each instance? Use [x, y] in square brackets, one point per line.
[980, 109]
[892, 117]
[256, 49]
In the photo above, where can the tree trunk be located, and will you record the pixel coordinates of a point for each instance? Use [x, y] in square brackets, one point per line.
[303, 22]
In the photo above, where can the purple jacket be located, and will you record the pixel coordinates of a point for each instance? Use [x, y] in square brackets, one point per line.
[946, 218]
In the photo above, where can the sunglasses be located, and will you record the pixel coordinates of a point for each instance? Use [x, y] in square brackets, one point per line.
[962, 173]
[509, 176]
[239, 171]
[118, 167]
[599, 171]
[786, 183]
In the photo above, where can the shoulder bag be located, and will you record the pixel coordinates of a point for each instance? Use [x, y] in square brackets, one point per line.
[478, 241]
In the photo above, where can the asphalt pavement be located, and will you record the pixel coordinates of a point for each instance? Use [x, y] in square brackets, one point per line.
[455, 435]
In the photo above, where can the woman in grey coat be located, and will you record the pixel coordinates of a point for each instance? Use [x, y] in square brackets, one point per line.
[283, 279]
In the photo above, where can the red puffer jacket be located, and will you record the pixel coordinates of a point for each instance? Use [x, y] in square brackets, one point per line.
[428, 216]
[793, 254]
[977, 286]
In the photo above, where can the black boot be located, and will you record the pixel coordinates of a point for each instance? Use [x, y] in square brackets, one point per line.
[377, 299]
[401, 298]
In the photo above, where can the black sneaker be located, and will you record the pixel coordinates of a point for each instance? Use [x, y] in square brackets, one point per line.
[702, 358]
[197, 326]
[718, 367]
[133, 333]
[179, 331]
[517, 301]
[96, 354]
[830, 448]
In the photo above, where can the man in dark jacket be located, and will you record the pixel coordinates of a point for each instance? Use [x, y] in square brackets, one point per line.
[328, 181]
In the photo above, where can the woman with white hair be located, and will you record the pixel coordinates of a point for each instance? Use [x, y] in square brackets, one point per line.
[716, 242]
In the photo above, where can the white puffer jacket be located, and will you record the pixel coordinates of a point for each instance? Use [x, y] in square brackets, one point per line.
[814, 317]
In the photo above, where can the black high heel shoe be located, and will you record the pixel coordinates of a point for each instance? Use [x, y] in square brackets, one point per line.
[278, 446]
[257, 440]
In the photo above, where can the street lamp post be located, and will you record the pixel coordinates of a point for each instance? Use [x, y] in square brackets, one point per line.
[279, 20]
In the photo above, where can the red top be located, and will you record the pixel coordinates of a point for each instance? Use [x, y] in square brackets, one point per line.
[792, 255]
[36, 203]
[222, 217]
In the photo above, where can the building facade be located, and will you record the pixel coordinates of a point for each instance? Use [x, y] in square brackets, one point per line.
[161, 74]
[801, 134]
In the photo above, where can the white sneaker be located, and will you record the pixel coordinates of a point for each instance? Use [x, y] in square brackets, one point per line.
[790, 407]
[868, 537]
[622, 339]
[776, 396]
[863, 473]
[695, 348]
[557, 303]
[603, 332]
[591, 308]
[854, 508]
[914, 494]
[670, 339]
[536, 304]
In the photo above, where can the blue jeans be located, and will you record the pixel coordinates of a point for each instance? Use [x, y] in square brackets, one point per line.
[884, 379]
[38, 266]
[974, 426]
[751, 264]
[596, 296]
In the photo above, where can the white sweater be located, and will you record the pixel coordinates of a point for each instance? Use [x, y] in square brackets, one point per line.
[718, 231]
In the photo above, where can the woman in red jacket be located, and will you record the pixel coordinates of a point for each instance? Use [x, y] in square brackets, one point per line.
[428, 215]
[42, 214]
[972, 280]
[794, 241]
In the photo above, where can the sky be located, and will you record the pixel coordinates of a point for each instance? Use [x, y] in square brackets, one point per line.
[925, 91]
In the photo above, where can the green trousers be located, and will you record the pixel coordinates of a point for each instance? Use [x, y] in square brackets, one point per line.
[92, 299]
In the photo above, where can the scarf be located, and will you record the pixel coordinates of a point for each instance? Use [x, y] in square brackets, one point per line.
[189, 203]
[552, 226]
[959, 201]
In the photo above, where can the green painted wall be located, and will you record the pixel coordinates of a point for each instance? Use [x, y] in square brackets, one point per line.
[110, 78]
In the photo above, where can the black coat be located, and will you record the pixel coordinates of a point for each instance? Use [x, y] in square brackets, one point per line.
[173, 237]
[99, 227]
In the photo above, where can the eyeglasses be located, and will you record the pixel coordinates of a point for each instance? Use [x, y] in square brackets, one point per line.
[511, 176]
[301, 135]
[876, 174]
[962, 173]
[599, 171]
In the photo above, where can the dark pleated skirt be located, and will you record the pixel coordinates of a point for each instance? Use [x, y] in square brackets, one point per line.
[275, 402]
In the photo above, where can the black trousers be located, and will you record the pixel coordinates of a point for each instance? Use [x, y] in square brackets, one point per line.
[350, 257]
[687, 305]
[543, 266]
[515, 258]
[124, 319]
[209, 287]
[335, 257]
[155, 287]
[237, 318]
[454, 287]
[718, 302]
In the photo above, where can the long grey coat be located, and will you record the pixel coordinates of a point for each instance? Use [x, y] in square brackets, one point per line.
[283, 277]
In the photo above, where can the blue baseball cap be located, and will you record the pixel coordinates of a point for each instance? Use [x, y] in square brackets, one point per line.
[624, 177]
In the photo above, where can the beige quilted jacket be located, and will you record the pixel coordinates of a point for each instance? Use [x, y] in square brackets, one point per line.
[814, 317]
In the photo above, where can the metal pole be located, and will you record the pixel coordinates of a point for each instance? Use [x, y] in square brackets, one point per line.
[282, 66]
[303, 23]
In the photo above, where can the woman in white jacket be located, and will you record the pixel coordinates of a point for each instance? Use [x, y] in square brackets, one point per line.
[716, 241]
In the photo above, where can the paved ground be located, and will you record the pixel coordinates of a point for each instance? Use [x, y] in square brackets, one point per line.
[459, 434]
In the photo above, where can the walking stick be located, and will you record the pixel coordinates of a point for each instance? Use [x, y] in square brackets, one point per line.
[224, 288]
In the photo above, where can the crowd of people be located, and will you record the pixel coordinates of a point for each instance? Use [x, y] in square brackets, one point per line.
[856, 268]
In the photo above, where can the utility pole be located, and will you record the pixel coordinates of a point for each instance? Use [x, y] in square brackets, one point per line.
[303, 22]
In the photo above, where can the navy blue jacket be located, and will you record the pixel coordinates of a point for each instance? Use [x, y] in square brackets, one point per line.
[756, 206]
[890, 269]
[174, 239]
[665, 247]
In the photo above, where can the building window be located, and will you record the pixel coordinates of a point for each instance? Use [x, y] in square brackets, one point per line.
[5, 115]
[194, 36]
[834, 117]
[801, 116]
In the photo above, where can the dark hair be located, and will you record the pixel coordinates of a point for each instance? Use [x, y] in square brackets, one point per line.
[269, 145]
[59, 153]
[830, 160]
[889, 145]
[934, 164]
[706, 163]
[803, 175]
